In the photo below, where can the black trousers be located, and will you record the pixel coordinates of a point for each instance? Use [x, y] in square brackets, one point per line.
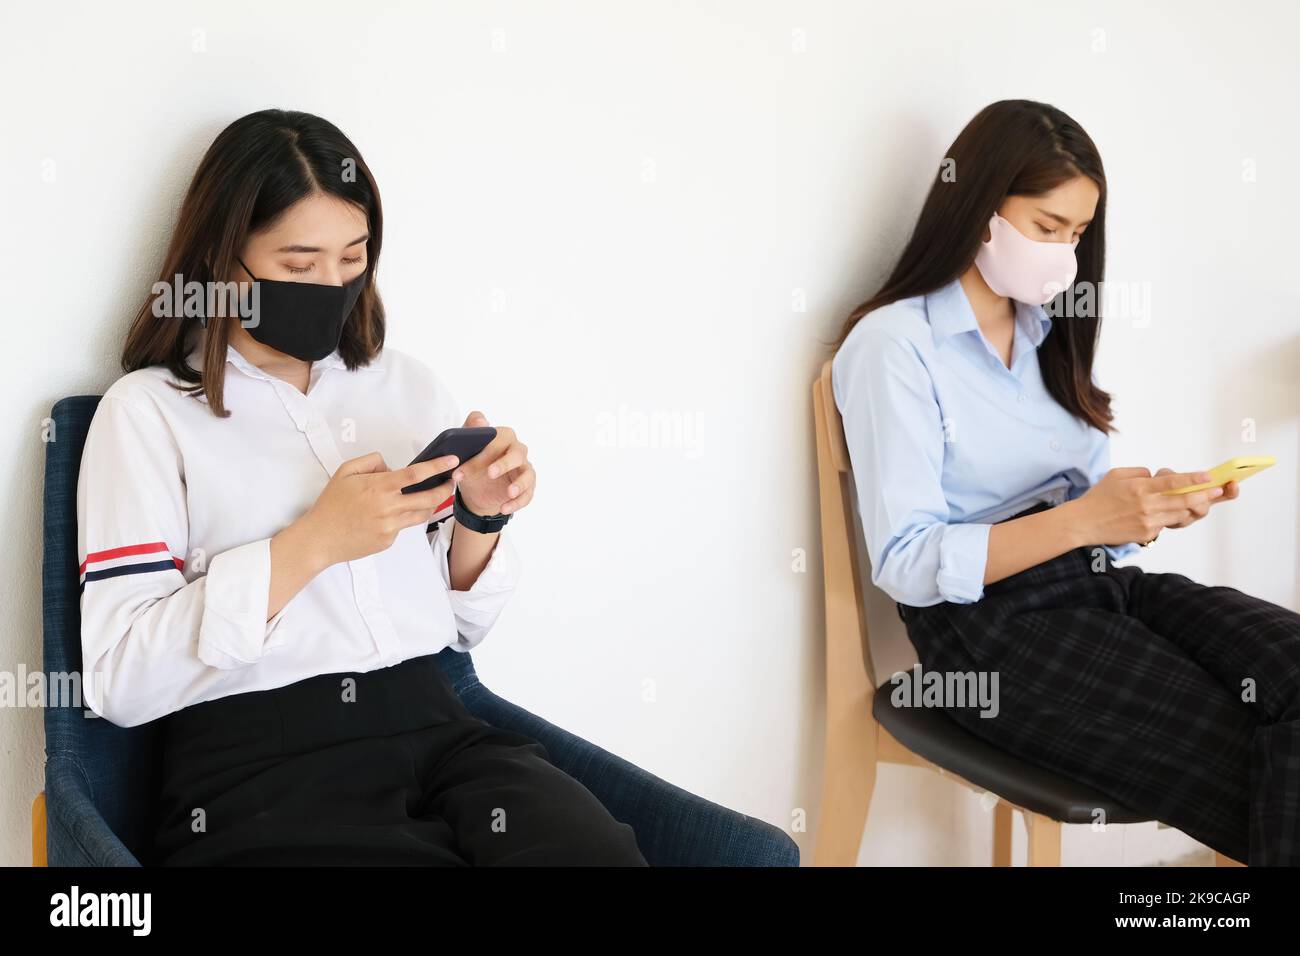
[1176, 699]
[385, 767]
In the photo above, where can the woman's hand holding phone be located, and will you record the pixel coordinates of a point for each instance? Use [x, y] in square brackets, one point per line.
[362, 508]
[1129, 504]
[500, 479]
[1225, 493]
[358, 513]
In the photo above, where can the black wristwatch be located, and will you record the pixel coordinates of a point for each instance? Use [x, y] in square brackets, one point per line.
[483, 524]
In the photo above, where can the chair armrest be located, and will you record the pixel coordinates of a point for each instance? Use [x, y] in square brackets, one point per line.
[673, 826]
[76, 832]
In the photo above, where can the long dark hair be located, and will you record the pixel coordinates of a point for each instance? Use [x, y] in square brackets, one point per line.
[1011, 148]
[255, 169]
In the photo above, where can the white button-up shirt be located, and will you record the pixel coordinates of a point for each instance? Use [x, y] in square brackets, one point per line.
[175, 513]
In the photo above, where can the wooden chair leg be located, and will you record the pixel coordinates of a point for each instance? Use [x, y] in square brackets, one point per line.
[1221, 860]
[849, 780]
[38, 830]
[1002, 834]
[1044, 840]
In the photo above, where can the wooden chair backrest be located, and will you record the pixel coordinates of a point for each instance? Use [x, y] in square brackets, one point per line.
[846, 619]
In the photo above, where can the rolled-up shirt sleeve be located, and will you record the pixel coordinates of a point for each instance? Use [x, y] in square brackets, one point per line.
[234, 630]
[151, 632]
[477, 609]
[894, 430]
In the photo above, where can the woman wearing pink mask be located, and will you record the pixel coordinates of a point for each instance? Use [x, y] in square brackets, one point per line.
[979, 440]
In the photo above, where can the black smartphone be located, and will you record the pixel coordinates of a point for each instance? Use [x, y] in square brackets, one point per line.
[464, 443]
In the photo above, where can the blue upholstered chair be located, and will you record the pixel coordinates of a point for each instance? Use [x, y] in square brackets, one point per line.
[101, 779]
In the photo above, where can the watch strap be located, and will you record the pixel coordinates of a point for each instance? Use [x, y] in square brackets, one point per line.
[483, 524]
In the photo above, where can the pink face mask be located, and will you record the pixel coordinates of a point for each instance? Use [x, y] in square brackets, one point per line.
[1022, 268]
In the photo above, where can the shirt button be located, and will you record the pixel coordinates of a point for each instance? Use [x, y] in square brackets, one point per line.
[1020, 397]
[1056, 445]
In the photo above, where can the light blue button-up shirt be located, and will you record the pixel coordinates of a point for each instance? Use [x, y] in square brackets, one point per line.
[945, 441]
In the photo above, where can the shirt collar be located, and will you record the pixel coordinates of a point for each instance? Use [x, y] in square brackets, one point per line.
[235, 357]
[950, 314]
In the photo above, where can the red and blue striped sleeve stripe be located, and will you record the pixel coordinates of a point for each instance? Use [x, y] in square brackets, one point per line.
[129, 559]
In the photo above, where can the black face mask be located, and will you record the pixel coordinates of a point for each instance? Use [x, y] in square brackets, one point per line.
[303, 319]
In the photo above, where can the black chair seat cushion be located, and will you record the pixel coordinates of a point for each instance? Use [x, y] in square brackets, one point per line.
[931, 733]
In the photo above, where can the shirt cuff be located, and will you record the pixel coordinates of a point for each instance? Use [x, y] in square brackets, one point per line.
[234, 631]
[963, 559]
[477, 609]
[1119, 552]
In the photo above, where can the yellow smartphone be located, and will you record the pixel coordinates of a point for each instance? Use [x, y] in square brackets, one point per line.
[1235, 469]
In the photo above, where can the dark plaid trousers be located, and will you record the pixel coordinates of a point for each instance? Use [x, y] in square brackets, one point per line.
[1176, 699]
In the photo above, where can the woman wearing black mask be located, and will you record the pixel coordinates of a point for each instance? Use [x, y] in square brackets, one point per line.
[253, 575]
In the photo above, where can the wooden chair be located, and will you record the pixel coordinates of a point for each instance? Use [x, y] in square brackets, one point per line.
[865, 729]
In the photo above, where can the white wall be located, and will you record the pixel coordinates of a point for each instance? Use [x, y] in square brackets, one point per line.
[595, 209]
